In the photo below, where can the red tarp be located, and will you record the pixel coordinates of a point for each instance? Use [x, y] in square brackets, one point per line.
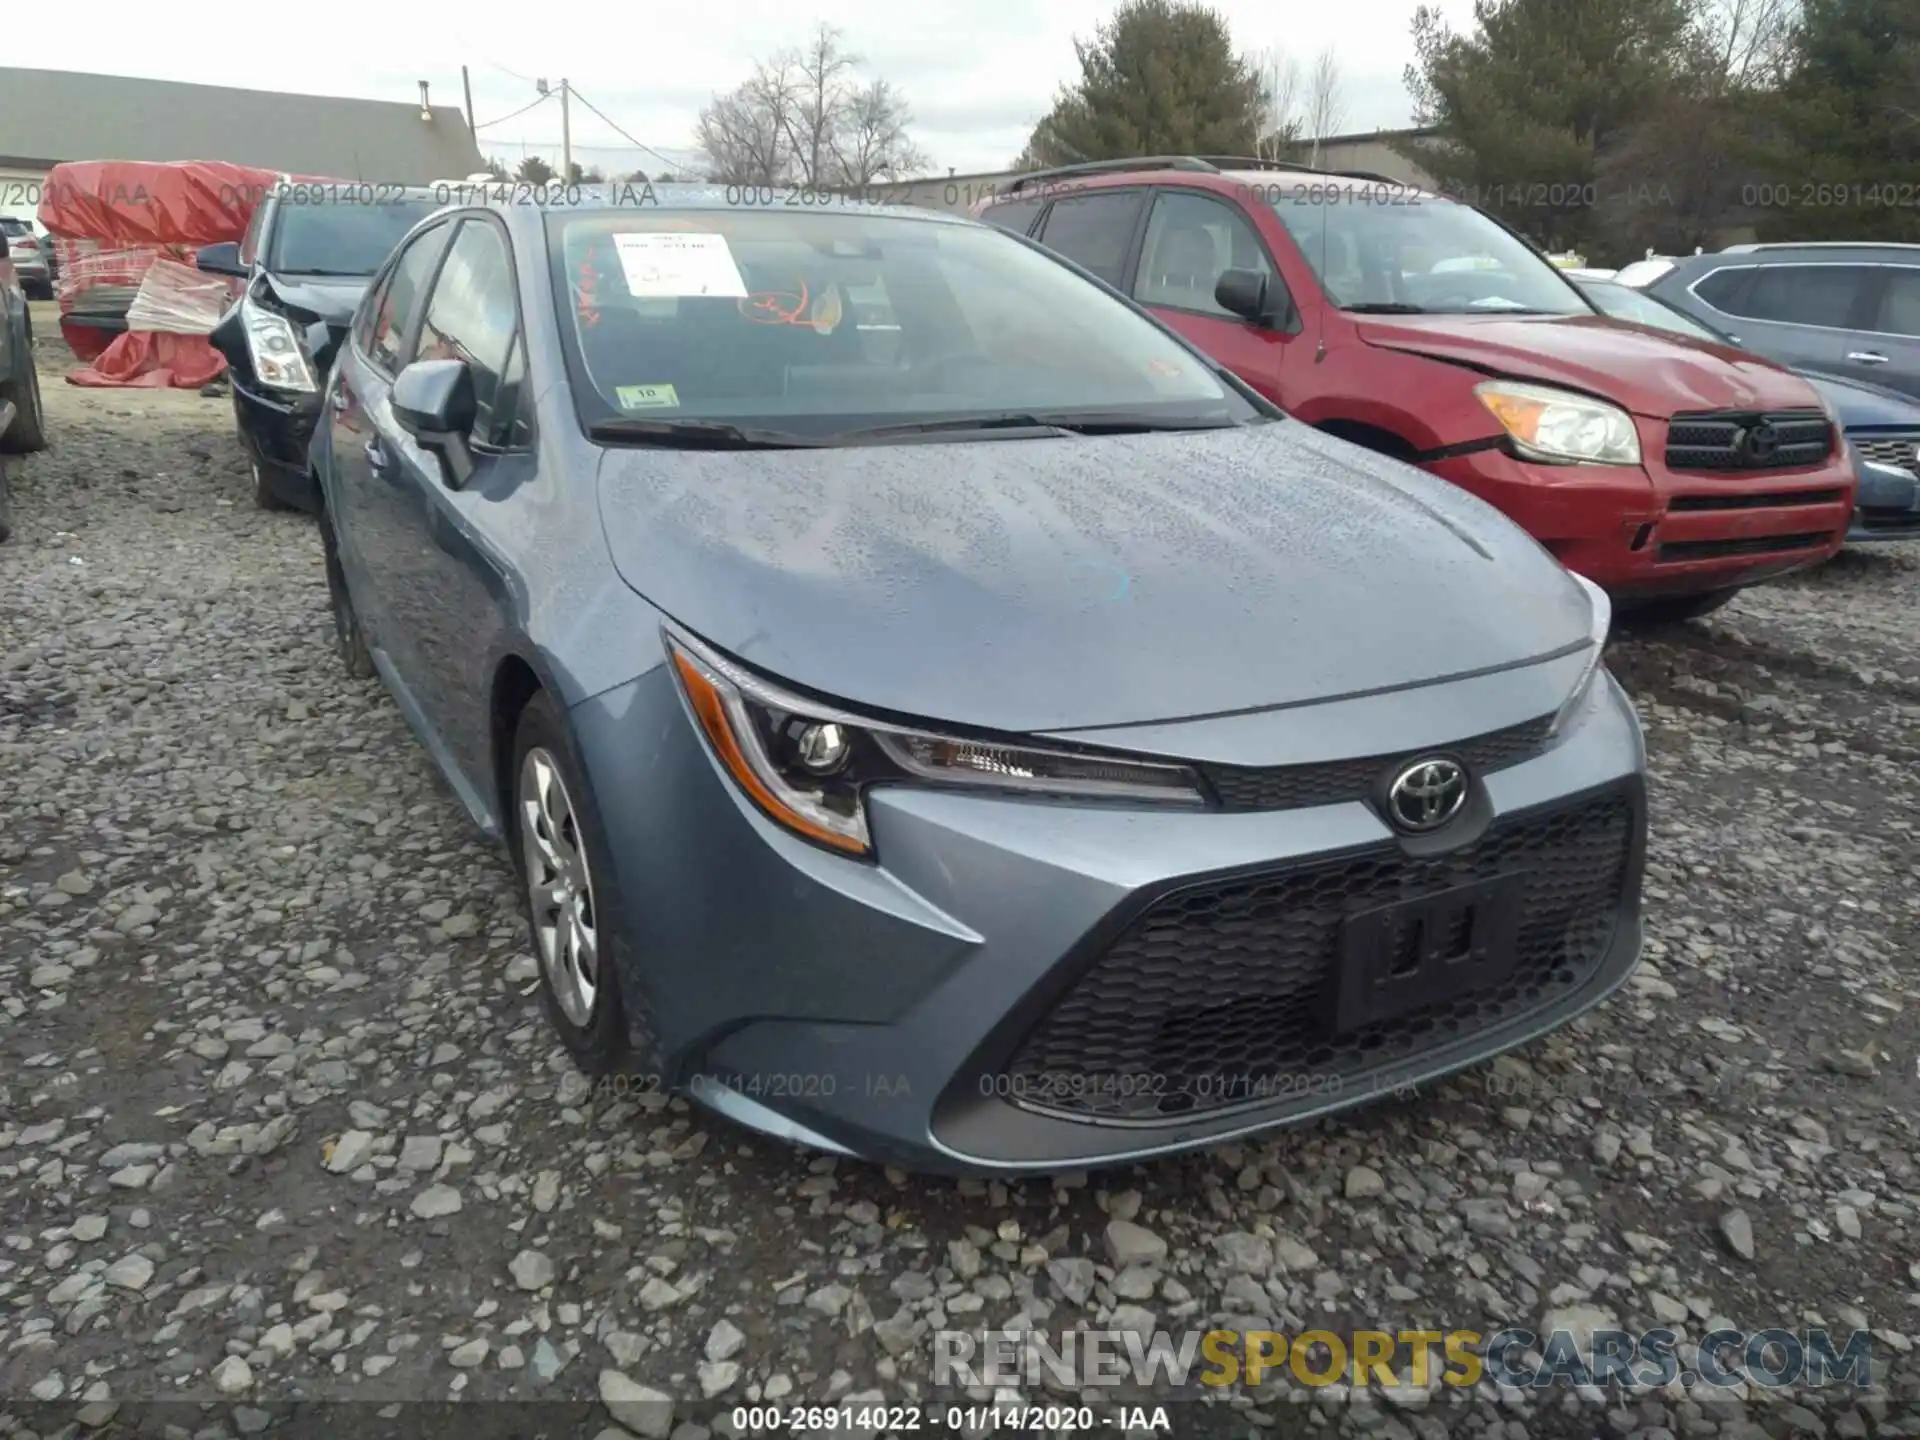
[133, 212]
[153, 360]
[122, 203]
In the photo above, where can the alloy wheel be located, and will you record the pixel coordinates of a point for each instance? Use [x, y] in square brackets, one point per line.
[559, 887]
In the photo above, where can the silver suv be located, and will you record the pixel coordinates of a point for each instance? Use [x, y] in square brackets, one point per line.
[1851, 310]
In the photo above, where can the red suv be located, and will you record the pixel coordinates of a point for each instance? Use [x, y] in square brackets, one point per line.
[1669, 472]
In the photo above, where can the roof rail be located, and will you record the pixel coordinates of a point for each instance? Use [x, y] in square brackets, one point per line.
[1110, 167]
[1200, 164]
[1820, 245]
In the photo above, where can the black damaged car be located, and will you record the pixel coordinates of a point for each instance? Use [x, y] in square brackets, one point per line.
[306, 259]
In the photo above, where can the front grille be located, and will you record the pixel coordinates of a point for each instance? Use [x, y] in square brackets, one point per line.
[1746, 545]
[1295, 787]
[1900, 451]
[1726, 440]
[1212, 998]
[1774, 500]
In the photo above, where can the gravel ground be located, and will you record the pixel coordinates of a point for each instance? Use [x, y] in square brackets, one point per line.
[280, 1119]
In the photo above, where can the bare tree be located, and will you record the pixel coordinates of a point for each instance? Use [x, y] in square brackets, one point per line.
[823, 83]
[1326, 106]
[807, 118]
[1280, 92]
[872, 143]
[1747, 41]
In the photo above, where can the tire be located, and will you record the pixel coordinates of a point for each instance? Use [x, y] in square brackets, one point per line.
[28, 431]
[564, 887]
[348, 637]
[1674, 609]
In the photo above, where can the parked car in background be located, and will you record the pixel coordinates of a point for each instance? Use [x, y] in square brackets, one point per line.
[22, 426]
[940, 715]
[32, 256]
[1423, 329]
[304, 264]
[1882, 426]
[1841, 309]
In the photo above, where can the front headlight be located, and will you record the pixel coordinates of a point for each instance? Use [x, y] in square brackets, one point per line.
[278, 359]
[1559, 426]
[1599, 622]
[808, 765]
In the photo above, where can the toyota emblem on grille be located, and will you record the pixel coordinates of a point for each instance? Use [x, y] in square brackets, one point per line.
[1760, 442]
[1426, 795]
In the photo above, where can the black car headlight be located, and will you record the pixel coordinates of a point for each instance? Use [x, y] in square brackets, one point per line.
[279, 360]
[808, 765]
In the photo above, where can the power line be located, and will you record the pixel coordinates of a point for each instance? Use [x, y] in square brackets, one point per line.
[639, 145]
[521, 111]
[514, 73]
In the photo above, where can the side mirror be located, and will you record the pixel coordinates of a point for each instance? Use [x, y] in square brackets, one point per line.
[221, 259]
[1246, 293]
[433, 402]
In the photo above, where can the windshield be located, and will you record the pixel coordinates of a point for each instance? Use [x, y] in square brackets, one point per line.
[1621, 303]
[340, 237]
[1426, 256]
[829, 322]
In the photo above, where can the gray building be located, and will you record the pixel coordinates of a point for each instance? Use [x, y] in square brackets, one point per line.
[50, 116]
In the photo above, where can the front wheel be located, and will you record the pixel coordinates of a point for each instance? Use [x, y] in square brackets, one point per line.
[1673, 609]
[565, 880]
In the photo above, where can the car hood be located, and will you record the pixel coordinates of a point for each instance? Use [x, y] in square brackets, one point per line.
[331, 300]
[1052, 584]
[1861, 404]
[1650, 373]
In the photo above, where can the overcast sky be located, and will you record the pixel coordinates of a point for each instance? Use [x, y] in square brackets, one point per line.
[977, 73]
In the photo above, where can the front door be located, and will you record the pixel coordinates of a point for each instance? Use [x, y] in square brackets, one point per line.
[1192, 239]
[450, 583]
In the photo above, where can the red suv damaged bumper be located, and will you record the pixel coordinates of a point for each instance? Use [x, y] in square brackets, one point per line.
[1646, 531]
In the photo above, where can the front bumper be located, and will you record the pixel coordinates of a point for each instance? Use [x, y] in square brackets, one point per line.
[1887, 506]
[276, 430]
[1642, 532]
[881, 1009]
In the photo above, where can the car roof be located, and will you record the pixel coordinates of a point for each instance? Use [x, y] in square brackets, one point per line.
[1828, 251]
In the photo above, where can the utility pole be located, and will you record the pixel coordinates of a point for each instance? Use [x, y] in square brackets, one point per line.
[466, 85]
[566, 137]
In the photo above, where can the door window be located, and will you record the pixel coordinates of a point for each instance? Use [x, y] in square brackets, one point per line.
[472, 317]
[400, 300]
[1191, 241]
[1014, 215]
[1094, 231]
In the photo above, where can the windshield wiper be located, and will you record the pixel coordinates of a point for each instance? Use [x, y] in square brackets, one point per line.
[1385, 307]
[307, 272]
[698, 435]
[1075, 422]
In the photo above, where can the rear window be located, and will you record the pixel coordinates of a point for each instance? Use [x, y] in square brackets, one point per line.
[827, 321]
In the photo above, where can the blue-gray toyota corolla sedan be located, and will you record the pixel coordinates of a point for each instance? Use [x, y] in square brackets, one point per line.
[938, 715]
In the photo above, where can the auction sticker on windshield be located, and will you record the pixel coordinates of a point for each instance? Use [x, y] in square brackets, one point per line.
[660, 264]
[647, 397]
